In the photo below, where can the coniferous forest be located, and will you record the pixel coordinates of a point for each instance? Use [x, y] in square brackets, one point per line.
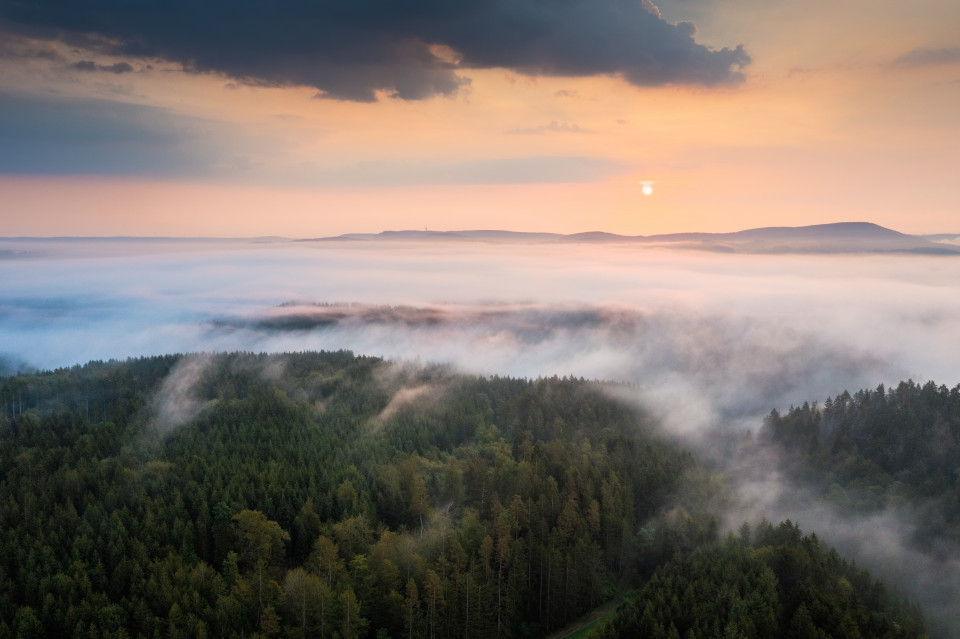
[329, 495]
[879, 449]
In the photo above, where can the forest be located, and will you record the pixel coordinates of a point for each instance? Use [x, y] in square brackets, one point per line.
[324, 494]
[880, 448]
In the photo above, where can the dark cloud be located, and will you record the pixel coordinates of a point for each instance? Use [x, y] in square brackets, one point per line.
[101, 137]
[928, 57]
[119, 67]
[350, 50]
[89, 65]
[13, 45]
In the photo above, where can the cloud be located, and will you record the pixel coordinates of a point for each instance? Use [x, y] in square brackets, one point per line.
[52, 135]
[13, 45]
[89, 65]
[651, 8]
[409, 50]
[553, 127]
[403, 397]
[530, 170]
[729, 337]
[176, 402]
[692, 371]
[927, 58]
[13, 366]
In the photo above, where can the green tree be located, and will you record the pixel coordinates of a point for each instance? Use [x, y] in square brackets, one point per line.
[256, 538]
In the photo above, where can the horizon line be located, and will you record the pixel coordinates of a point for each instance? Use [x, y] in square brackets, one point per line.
[347, 236]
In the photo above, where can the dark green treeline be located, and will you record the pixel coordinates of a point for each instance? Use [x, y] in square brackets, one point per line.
[896, 447]
[328, 495]
[291, 503]
[767, 582]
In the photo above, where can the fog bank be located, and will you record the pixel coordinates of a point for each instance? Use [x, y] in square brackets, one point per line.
[746, 332]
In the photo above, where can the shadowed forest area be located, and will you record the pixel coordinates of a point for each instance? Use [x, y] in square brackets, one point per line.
[880, 448]
[328, 495]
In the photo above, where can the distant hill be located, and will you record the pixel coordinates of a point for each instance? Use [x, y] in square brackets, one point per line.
[838, 238]
[470, 236]
[843, 237]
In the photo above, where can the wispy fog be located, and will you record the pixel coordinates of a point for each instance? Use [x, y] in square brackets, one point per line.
[880, 540]
[704, 340]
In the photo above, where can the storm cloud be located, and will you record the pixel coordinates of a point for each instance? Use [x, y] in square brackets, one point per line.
[90, 65]
[410, 50]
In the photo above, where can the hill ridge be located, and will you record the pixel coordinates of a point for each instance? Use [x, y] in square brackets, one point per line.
[836, 237]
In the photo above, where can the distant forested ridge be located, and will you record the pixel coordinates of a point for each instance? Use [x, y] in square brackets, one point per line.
[328, 495]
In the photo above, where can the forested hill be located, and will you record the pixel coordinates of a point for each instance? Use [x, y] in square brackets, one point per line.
[880, 448]
[327, 495]
[769, 582]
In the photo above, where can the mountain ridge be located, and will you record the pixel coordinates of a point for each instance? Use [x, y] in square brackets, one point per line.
[838, 237]
[832, 238]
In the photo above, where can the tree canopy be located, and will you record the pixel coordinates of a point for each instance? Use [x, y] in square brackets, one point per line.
[329, 495]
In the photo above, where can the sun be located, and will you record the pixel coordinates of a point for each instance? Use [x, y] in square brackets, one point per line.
[646, 186]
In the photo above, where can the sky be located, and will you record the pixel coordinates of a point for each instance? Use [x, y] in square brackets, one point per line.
[309, 119]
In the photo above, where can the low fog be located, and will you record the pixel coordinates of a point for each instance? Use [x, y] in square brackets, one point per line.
[880, 540]
[705, 341]
[751, 332]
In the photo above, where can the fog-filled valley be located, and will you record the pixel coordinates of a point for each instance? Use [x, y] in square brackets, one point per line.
[818, 323]
[692, 350]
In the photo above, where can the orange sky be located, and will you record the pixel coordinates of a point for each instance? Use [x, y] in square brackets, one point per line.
[836, 121]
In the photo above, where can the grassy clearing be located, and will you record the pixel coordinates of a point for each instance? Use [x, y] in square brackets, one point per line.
[582, 627]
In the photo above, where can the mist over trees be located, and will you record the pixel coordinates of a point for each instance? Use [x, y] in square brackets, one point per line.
[880, 447]
[328, 495]
[770, 581]
[878, 469]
